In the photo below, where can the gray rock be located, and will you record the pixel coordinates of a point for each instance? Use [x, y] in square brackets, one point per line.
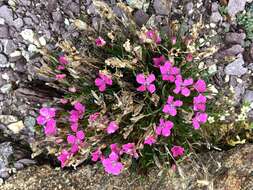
[28, 21]
[4, 31]
[4, 174]
[189, 8]
[236, 67]
[216, 17]
[18, 166]
[162, 7]
[27, 162]
[141, 17]
[6, 14]
[3, 60]
[239, 91]
[235, 38]
[57, 16]
[248, 97]
[233, 51]
[5, 89]
[215, 7]
[9, 46]
[18, 23]
[250, 66]
[6, 151]
[235, 6]
[30, 122]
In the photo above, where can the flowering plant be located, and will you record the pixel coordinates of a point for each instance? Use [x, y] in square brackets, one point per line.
[128, 103]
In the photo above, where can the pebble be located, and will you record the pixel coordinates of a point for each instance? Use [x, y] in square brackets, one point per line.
[235, 38]
[18, 23]
[27, 162]
[5, 89]
[235, 6]
[248, 97]
[216, 17]
[6, 14]
[4, 31]
[236, 67]
[3, 60]
[9, 46]
[18, 166]
[162, 7]
[16, 127]
[141, 17]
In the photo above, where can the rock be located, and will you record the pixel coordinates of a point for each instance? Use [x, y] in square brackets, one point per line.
[232, 51]
[18, 166]
[4, 174]
[162, 7]
[239, 91]
[141, 17]
[30, 122]
[7, 119]
[5, 89]
[28, 21]
[6, 14]
[189, 8]
[6, 151]
[14, 56]
[18, 23]
[236, 67]
[3, 60]
[215, 7]
[9, 46]
[216, 17]
[27, 162]
[248, 97]
[235, 38]
[4, 31]
[57, 16]
[28, 35]
[16, 127]
[235, 6]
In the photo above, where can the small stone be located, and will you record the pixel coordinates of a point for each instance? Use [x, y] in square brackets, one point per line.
[27, 162]
[136, 4]
[236, 67]
[9, 46]
[141, 17]
[7, 119]
[5, 89]
[30, 122]
[162, 7]
[216, 17]
[189, 8]
[215, 7]
[1, 181]
[28, 35]
[16, 127]
[6, 14]
[57, 16]
[18, 23]
[4, 174]
[28, 21]
[248, 97]
[42, 41]
[2, 21]
[18, 166]
[4, 31]
[3, 60]
[235, 38]
[80, 24]
[235, 6]
[232, 51]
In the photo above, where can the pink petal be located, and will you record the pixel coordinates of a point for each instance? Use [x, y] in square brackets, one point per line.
[74, 127]
[186, 92]
[102, 88]
[50, 130]
[150, 78]
[158, 130]
[178, 103]
[99, 82]
[71, 139]
[80, 135]
[74, 148]
[142, 88]
[166, 131]
[151, 88]
[41, 120]
[195, 124]
[188, 82]
[140, 78]
[203, 117]
[177, 90]
[200, 86]
[170, 99]
[172, 111]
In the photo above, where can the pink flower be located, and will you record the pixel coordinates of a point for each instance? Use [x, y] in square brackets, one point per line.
[113, 126]
[149, 140]
[200, 118]
[74, 127]
[50, 128]
[63, 158]
[102, 82]
[189, 57]
[157, 61]
[100, 42]
[76, 140]
[60, 67]
[177, 151]
[168, 72]
[96, 155]
[115, 148]
[60, 76]
[153, 35]
[63, 60]
[171, 106]
[164, 128]
[174, 40]
[200, 86]
[112, 165]
[74, 116]
[129, 149]
[199, 103]
[146, 83]
[93, 117]
[79, 107]
[182, 86]
[45, 115]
